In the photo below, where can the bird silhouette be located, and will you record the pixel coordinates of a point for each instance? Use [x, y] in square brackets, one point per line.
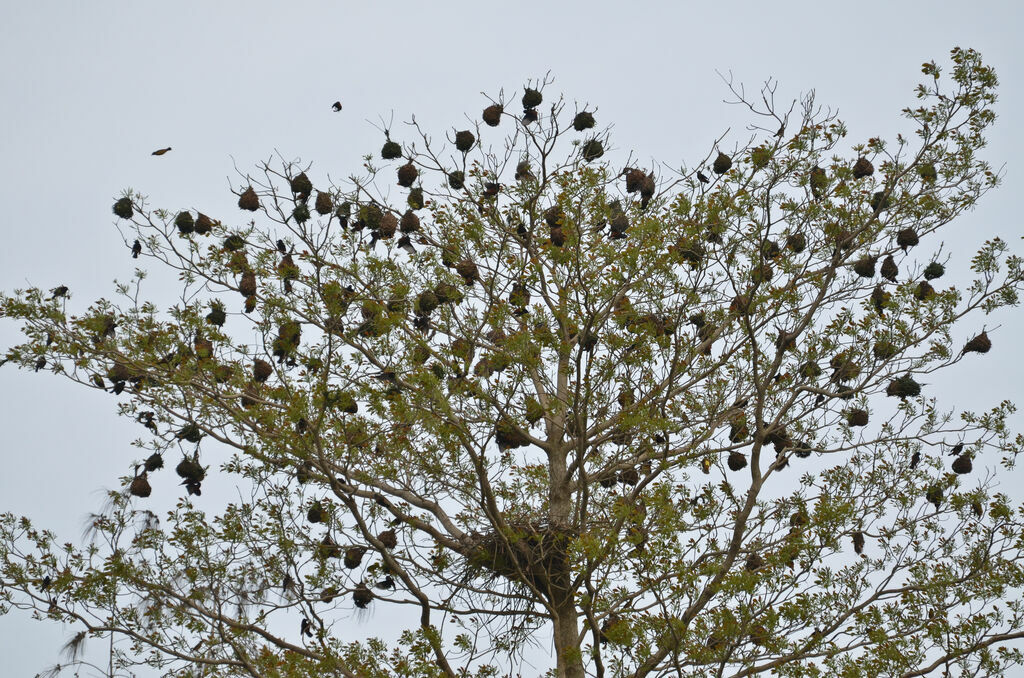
[161, 151]
[336, 106]
[701, 177]
[59, 291]
[136, 249]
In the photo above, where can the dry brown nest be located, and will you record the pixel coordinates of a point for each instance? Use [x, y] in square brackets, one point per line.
[528, 552]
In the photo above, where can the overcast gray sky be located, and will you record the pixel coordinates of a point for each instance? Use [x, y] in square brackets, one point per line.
[89, 89]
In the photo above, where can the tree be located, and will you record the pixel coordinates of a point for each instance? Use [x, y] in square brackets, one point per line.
[677, 418]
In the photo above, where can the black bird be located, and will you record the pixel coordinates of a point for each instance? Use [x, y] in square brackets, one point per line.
[957, 449]
[701, 177]
[306, 631]
[41, 363]
[59, 291]
[387, 583]
[336, 106]
[915, 460]
[406, 244]
[136, 249]
[46, 583]
[281, 247]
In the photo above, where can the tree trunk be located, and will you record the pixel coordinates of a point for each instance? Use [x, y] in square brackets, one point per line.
[567, 645]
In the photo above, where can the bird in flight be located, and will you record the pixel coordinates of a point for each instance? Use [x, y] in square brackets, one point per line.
[161, 151]
[336, 106]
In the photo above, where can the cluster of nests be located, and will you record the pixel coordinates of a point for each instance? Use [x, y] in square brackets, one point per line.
[351, 557]
[191, 472]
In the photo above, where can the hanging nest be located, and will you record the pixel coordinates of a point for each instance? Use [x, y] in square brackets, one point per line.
[190, 469]
[261, 370]
[554, 216]
[491, 189]
[879, 202]
[250, 396]
[287, 342]
[907, 238]
[247, 285]
[216, 316]
[857, 417]
[592, 150]
[558, 237]
[248, 200]
[185, 223]
[760, 157]
[410, 223]
[903, 387]
[802, 449]
[353, 556]
[962, 464]
[844, 368]
[865, 267]
[889, 269]
[519, 296]
[300, 213]
[584, 120]
[770, 249]
[426, 302]
[934, 496]
[924, 291]
[234, 242]
[863, 168]
[818, 182]
[457, 179]
[464, 140]
[154, 462]
[407, 174]
[448, 293]
[415, 199]
[753, 563]
[362, 596]
[634, 180]
[884, 349]
[927, 172]
[532, 98]
[324, 204]
[316, 513]
[341, 400]
[934, 270]
[858, 542]
[722, 164]
[190, 432]
[123, 208]
[980, 344]
[140, 486]
[534, 410]
[327, 548]
[736, 461]
[388, 225]
[810, 370]
[388, 539]
[301, 186]
[203, 224]
[492, 115]
[391, 150]
[796, 242]
[508, 436]
[468, 271]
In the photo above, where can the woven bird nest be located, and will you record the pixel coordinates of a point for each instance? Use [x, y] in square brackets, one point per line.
[529, 552]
